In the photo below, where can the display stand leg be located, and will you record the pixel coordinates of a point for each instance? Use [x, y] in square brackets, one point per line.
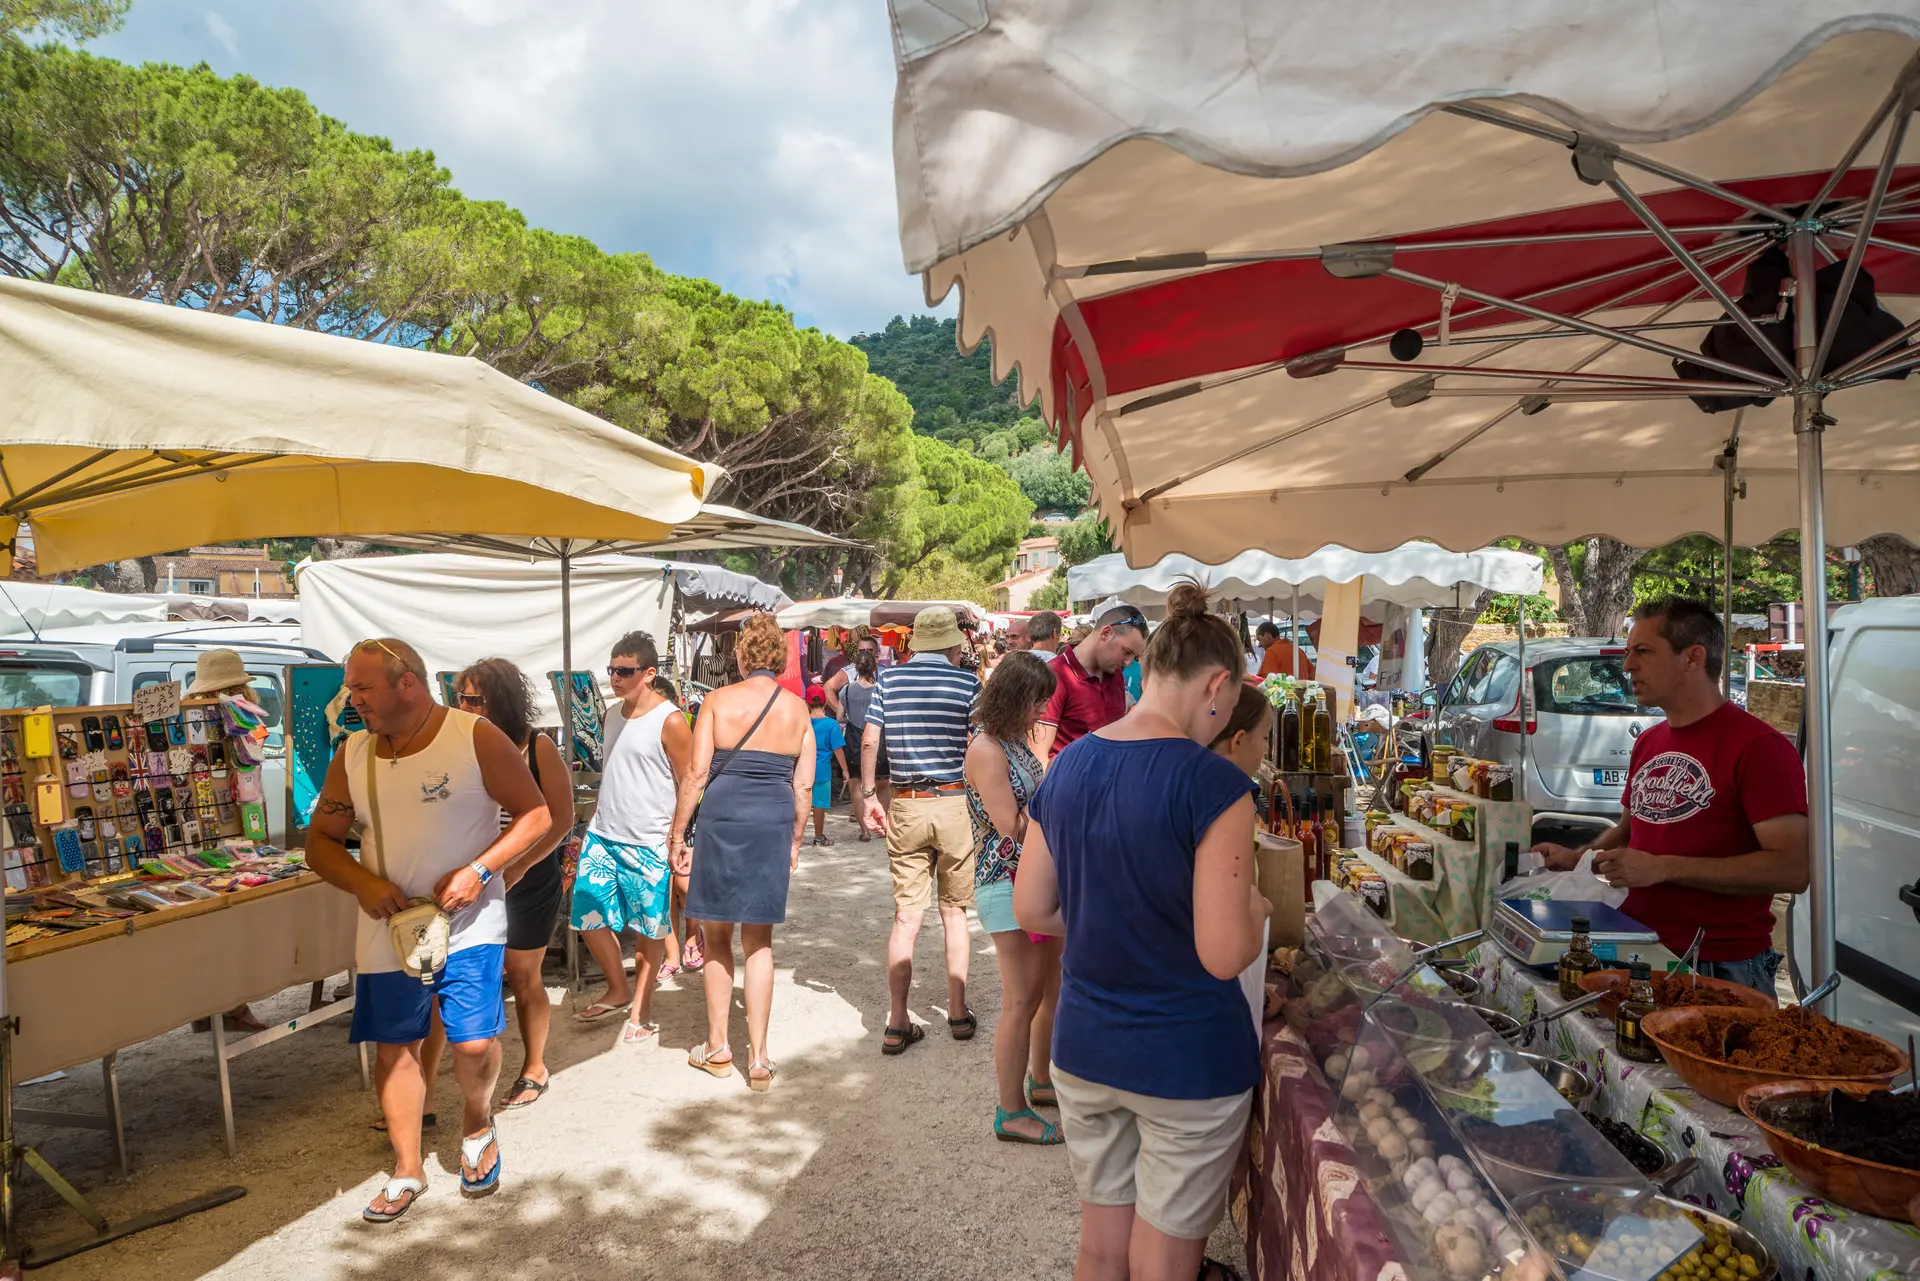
[318, 996]
[110, 1082]
[226, 1082]
[13, 1157]
[573, 958]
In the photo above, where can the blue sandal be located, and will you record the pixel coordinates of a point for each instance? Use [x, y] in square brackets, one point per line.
[1034, 1090]
[1049, 1132]
[470, 1158]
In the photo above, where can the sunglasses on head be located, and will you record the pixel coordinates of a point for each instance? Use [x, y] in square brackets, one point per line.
[624, 673]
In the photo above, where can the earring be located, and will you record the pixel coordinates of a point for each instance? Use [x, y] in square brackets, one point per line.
[1213, 711]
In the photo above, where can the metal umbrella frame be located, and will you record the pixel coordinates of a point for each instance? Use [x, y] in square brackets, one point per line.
[1699, 235]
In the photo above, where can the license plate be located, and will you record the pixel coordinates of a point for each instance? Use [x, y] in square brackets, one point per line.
[1609, 778]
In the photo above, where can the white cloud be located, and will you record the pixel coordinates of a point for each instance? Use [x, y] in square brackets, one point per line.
[222, 30]
[744, 140]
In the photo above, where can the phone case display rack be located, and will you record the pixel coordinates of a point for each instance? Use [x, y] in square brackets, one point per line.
[1481, 1169]
[1430, 882]
[92, 793]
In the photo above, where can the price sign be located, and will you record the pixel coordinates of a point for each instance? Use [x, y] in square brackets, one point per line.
[156, 702]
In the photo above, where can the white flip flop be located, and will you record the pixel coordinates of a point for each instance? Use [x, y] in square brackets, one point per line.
[412, 1189]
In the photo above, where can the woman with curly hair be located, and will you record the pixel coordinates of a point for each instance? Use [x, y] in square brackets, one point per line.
[753, 814]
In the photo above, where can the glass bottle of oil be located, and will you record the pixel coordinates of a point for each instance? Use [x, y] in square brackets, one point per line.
[1322, 736]
[1630, 1040]
[1577, 961]
[1290, 733]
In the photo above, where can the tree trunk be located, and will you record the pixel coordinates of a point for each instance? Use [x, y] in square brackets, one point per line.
[1450, 628]
[137, 575]
[1894, 563]
[340, 548]
[1597, 600]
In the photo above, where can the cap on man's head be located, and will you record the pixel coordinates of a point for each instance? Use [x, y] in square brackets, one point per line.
[934, 629]
[816, 696]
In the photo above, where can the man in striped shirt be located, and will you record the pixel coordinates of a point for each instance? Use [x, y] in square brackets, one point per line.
[922, 707]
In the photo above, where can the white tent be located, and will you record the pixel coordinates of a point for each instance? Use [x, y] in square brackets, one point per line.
[1414, 575]
[1281, 277]
[28, 607]
[456, 609]
[854, 611]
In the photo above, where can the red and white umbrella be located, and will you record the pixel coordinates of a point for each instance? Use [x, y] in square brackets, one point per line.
[1284, 276]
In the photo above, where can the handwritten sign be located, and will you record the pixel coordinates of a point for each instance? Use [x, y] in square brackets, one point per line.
[156, 702]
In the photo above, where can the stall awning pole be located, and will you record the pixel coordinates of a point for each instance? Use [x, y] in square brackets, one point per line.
[1809, 422]
[1293, 626]
[566, 648]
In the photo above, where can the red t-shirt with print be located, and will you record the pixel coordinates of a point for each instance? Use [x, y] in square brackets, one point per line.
[1697, 792]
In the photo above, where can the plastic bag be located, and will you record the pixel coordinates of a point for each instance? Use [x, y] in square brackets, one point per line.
[1580, 885]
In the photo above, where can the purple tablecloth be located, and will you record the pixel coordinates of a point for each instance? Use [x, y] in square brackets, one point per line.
[1297, 1198]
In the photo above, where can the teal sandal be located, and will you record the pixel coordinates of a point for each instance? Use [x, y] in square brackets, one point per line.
[1049, 1132]
[1035, 1089]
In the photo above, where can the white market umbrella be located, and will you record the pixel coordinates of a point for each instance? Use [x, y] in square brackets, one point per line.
[1417, 271]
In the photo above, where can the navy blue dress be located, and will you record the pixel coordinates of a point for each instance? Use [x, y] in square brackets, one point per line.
[743, 842]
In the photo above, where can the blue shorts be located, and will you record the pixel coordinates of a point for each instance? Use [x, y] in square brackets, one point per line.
[395, 1008]
[823, 792]
[994, 903]
[620, 887]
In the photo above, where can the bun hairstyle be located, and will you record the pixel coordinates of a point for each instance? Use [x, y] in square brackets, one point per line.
[1192, 642]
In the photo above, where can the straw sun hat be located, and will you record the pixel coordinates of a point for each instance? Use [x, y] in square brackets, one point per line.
[935, 628]
[218, 671]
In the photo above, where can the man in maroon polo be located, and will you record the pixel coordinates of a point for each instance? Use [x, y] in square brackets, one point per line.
[1089, 690]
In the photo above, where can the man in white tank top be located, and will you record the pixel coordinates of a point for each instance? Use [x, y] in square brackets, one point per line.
[440, 778]
[624, 881]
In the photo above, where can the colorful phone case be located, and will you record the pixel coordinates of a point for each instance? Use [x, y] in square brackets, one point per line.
[36, 733]
[90, 731]
[66, 845]
[253, 821]
[111, 725]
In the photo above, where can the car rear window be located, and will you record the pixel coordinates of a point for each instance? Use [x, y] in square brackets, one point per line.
[1594, 686]
[29, 684]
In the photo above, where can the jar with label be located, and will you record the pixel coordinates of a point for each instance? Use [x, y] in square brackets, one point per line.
[1440, 768]
[1630, 1040]
[1577, 961]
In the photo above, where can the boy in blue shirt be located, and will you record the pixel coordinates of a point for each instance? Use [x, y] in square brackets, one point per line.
[829, 742]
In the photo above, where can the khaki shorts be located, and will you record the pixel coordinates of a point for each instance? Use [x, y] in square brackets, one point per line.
[1169, 1159]
[930, 838]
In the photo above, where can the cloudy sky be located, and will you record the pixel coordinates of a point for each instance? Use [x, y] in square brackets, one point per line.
[742, 140]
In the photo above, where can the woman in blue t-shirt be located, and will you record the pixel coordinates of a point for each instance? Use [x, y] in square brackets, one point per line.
[1139, 850]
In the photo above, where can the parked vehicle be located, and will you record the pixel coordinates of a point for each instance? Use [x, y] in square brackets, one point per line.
[1874, 672]
[1578, 738]
[106, 663]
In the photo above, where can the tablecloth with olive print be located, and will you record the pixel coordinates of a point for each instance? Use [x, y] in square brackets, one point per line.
[1739, 1177]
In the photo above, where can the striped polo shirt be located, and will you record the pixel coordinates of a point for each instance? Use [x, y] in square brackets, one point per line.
[923, 707]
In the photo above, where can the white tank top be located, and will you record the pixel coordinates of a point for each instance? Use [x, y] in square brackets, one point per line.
[637, 791]
[437, 816]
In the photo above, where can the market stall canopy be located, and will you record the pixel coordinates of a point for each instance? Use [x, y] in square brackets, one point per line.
[712, 528]
[1414, 576]
[130, 428]
[1207, 235]
[456, 609]
[852, 611]
[29, 607]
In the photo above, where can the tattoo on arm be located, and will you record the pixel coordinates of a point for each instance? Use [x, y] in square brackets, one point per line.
[328, 805]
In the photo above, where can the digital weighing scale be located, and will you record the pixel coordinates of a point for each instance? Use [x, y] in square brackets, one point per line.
[1536, 931]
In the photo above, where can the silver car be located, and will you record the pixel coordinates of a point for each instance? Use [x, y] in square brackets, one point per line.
[1580, 737]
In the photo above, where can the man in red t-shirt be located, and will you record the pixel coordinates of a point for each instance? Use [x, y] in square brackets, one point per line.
[1089, 688]
[1716, 804]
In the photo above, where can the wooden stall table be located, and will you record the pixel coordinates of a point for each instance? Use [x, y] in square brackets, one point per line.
[80, 996]
[1297, 1196]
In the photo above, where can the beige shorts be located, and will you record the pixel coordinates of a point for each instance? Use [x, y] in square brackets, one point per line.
[929, 839]
[1169, 1159]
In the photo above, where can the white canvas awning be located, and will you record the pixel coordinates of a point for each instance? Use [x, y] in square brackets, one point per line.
[28, 607]
[854, 611]
[712, 528]
[457, 609]
[1153, 209]
[129, 428]
[1413, 576]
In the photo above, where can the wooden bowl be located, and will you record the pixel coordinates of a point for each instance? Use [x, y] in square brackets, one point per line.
[1614, 983]
[1866, 1186]
[1722, 1082]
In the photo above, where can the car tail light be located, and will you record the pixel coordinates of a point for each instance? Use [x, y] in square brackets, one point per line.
[1510, 723]
[1614, 653]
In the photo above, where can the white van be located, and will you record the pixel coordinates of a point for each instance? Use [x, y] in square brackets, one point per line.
[1874, 665]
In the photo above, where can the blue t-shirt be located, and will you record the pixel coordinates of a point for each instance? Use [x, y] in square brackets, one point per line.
[1137, 1010]
[1131, 675]
[827, 736]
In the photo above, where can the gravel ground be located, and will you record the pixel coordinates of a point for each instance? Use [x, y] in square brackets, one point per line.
[633, 1165]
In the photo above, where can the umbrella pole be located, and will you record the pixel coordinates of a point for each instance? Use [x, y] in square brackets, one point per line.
[1293, 626]
[566, 715]
[1726, 575]
[1809, 423]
